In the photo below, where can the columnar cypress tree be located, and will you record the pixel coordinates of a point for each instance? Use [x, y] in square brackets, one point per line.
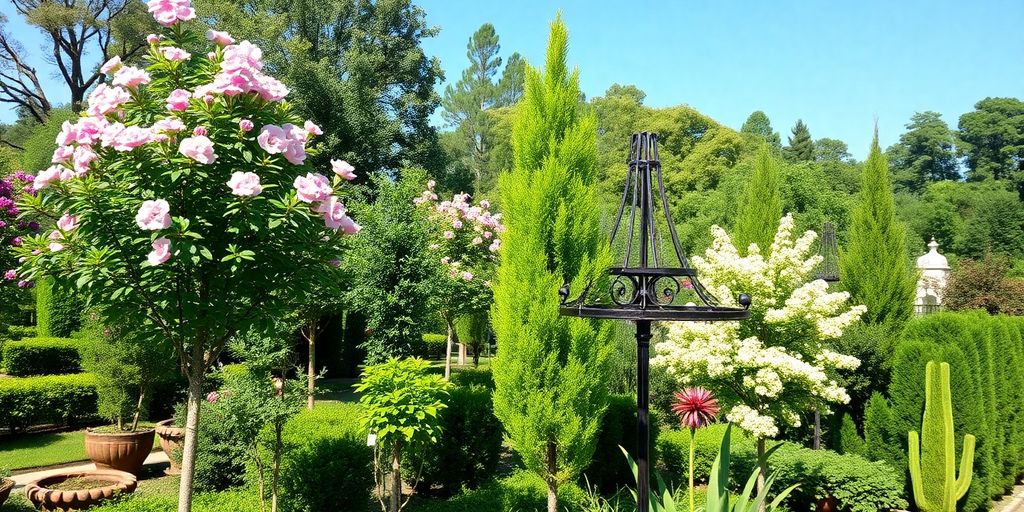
[875, 266]
[761, 206]
[551, 371]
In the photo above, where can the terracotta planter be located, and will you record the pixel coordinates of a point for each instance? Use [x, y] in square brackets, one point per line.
[122, 451]
[6, 484]
[172, 439]
[44, 497]
[829, 504]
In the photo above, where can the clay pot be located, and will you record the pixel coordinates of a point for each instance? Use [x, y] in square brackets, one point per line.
[6, 484]
[829, 504]
[122, 451]
[172, 439]
[43, 497]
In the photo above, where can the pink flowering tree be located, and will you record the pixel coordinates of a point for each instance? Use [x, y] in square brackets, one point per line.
[12, 233]
[466, 246]
[182, 201]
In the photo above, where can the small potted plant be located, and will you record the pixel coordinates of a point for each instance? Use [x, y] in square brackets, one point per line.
[126, 366]
[6, 484]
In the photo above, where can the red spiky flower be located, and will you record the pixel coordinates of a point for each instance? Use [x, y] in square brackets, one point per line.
[696, 407]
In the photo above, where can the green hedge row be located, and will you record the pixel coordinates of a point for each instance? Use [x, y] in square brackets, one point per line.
[523, 491]
[857, 484]
[17, 332]
[228, 501]
[986, 357]
[41, 356]
[60, 399]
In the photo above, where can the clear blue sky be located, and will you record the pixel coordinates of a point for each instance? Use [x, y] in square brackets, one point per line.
[836, 65]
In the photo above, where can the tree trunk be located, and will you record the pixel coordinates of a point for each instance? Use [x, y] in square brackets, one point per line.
[277, 465]
[476, 356]
[396, 478]
[462, 354]
[452, 337]
[762, 464]
[552, 470]
[312, 327]
[188, 453]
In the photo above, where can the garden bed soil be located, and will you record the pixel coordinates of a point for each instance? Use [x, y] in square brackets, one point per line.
[79, 483]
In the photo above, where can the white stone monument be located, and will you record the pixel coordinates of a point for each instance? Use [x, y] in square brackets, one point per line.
[930, 285]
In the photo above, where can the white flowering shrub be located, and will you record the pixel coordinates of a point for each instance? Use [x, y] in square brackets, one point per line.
[772, 367]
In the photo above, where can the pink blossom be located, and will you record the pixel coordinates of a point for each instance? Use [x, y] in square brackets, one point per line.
[212, 397]
[312, 128]
[488, 235]
[467, 276]
[198, 148]
[170, 12]
[495, 245]
[271, 89]
[131, 137]
[89, 129]
[154, 215]
[11, 275]
[434, 247]
[130, 77]
[478, 241]
[273, 139]
[169, 125]
[219, 38]
[177, 101]
[16, 241]
[349, 226]
[295, 153]
[111, 65]
[44, 178]
[199, 130]
[68, 134]
[445, 260]
[67, 222]
[334, 212]
[104, 100]
[242, 56]
[343, 169]
[55, 245]
[175, 54]
[110, 133]
[161, 251]
[431, 184]
[336, 262]
[245, 125]
[62, 154]
[696, 407]
[211, 55]
[312, 187]
[449, 235]
[245, 184]
[153, 39]
[84, 155]
[457, 224]
[24, 284]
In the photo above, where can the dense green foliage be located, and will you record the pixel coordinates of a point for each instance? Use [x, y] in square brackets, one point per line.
[875, 266]
[992, 138]
[393, 269]
[925, 153]
[801, 146]
[41, 356]
[761, 206]
[57, 399]
[468, 452]
[229, 501]
[759, 125]
[550, 374]
[58, 309]
[522, 491]
[607, 471]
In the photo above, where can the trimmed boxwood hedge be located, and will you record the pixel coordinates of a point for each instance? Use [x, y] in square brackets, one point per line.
[41, 356]
[17, 332]
[60, 399]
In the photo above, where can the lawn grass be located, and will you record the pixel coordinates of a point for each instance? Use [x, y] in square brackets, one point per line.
[34, 450]
[45, 449]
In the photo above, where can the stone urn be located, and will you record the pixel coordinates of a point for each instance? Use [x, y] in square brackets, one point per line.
[109, 484]
[122, 451]
[172, 439]
[6, 484]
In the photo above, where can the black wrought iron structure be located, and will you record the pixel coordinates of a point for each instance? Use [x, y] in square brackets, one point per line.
[828, 248]
[648, 286]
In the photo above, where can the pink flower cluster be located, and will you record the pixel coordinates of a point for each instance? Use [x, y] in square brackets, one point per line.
[469, 233]
[316, 189]
[170, 12]
[288, 140]
[241, 72]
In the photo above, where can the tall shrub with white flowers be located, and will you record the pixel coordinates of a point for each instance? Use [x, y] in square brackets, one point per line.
[466, 246]
[769, 369]
[183, 202]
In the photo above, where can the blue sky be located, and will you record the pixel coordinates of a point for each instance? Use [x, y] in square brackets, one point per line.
[836, 65]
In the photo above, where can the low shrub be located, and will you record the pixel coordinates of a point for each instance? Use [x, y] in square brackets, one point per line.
[523, 491]
[468, 377]
[220, 457]
[318, 446]
[229, 501]
[436, 345]
[41, 356]
[608, 469]
[468, 451]
[60, 399]
[17, 332]
[857, 484]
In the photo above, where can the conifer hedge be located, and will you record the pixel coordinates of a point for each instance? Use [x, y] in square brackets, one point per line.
[985, 354]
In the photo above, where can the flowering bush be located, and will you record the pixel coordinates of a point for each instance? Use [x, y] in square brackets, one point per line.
[775, 365]
[468, 239]
[12, 230]
[182, 199]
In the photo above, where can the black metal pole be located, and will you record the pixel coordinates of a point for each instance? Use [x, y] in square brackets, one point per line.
[643, 378]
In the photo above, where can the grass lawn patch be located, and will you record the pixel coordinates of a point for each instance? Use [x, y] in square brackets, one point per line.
[47, 449]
